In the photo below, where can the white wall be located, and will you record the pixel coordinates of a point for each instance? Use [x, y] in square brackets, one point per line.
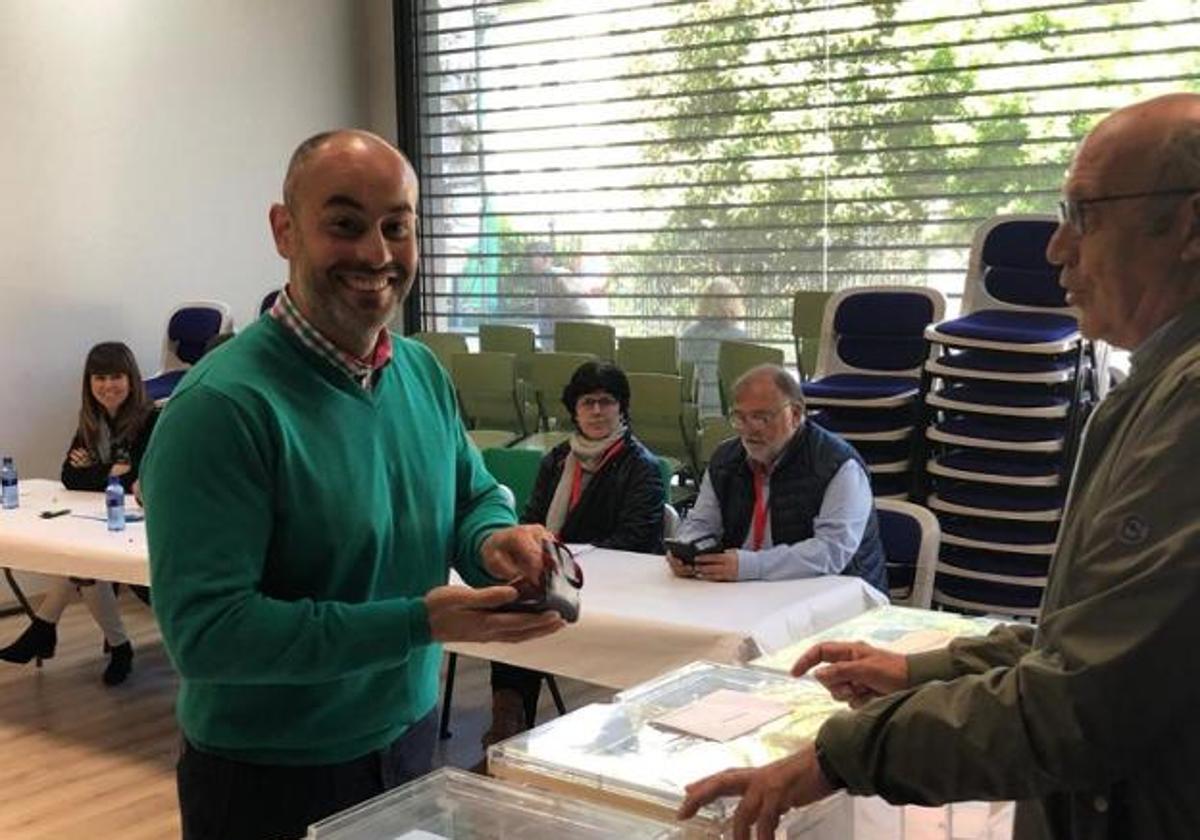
[143, 141]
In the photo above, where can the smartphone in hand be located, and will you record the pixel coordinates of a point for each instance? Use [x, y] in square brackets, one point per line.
[687, 552]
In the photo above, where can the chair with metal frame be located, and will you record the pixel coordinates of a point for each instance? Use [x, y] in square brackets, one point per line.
[658, 354]
[911, 537]
[492, 398]
[867, 378]
[713, 432]
[510, 338]
[873, 347]
[550, 373]
[444, 346]
[808, 313]
[516, 469]
[268, 300]
[735, 358]
[661, 419]
[599, 340]
[649, 354]
[190, 328]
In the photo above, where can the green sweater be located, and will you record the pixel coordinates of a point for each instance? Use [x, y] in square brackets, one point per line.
[295, 521]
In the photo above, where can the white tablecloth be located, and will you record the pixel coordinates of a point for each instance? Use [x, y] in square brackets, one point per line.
[639, 620]
[72, 544]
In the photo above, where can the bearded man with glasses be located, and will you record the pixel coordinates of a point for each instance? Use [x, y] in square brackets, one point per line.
[786, 499]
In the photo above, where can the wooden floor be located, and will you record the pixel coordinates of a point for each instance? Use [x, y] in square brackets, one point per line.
[81, 760]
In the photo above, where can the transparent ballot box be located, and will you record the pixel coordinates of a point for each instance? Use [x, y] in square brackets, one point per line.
[451, 804]
[900, 629]
[622, 753]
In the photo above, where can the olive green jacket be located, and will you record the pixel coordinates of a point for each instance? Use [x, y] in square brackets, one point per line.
[1091, 723]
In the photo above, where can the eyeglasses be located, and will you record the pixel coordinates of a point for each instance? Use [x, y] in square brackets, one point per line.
[754, 419]
[1070, 210]
[602, 403]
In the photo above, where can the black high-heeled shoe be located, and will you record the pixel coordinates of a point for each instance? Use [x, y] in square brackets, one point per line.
[119, 665]
[39, 640]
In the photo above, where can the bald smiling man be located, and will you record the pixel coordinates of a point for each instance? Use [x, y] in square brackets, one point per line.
[1090, 722]
[307, 490]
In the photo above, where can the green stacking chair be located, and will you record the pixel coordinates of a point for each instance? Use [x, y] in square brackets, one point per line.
[808, 311]
[660, 417]
[509, 338]
[691, 385]
[713, 432]
[599, 340]
[655, 354]
[735, 358]
[551, 372]
[493, 400]
[516, 469]
[444, 345]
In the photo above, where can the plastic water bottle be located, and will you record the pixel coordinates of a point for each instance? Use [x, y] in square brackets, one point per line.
[114, 501]
[9, 497]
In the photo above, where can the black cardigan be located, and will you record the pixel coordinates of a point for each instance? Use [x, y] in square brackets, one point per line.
[621, 507]
[95, 477]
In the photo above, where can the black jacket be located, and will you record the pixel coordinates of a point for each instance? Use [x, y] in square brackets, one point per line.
[95, 477]
[621, 507]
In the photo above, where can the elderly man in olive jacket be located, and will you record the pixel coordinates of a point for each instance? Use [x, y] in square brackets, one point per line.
[1090, 722]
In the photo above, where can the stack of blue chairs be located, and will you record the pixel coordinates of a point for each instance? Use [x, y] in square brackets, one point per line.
[1005, 396]
[868, 376]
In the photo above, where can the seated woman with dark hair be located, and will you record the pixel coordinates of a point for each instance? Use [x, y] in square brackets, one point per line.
[115, 421]
[602, 486]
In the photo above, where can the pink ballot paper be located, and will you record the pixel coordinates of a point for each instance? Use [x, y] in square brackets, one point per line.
[723, 715]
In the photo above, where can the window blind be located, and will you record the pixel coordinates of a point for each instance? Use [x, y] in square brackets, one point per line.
[654, 164]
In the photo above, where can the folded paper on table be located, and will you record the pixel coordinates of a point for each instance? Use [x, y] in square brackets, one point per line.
[723, 715]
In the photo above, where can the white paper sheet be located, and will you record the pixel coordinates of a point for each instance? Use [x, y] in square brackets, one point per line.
[723, 715]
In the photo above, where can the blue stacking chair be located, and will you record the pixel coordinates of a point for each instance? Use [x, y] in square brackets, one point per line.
[268, 300]
[1004, 394]
[1016, 352]
[190, 327]
[873, 346]
[911, 537]
[868, 376]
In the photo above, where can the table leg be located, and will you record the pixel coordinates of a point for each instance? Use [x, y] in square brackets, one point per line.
[447, 696]
[16, 588]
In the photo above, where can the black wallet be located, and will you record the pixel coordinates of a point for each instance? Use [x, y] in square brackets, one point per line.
[558, 590]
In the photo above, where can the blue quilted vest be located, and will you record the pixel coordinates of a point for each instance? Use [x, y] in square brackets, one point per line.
[804, 469]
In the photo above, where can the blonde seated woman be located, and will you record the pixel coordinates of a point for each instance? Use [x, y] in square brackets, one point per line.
[115, 421]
